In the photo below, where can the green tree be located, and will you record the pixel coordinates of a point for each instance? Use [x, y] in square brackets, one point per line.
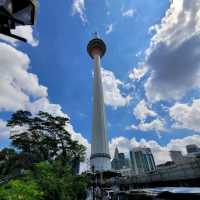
[46, 154]
[12, 162]
[58, 183]
[7, 158]
[21, 190]
[44, 136]
[48, 181]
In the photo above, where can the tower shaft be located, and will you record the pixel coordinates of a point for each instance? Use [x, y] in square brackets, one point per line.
[100, 157]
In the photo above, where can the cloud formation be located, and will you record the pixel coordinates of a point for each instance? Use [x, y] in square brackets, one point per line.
[112, 93]
[157, 125]
[142, 111]
[78, 7]
[128, 13]
[109, 29]
[17, 85]
[138, 73]
[186, 116]
[44, 105]
[4, 133]
[173, 56]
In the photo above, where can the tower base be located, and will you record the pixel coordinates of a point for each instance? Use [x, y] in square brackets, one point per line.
[100, 163]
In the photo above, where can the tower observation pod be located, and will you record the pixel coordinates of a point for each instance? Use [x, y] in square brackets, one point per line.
[100, 156]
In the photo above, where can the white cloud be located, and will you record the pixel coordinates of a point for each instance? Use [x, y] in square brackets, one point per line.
[157, 125]
[173, 56]
[138, 54]
[109, 29]
[137, 73]
[161, 153]
[131, 127]
[16, 83]
[128, 13]
[142, 111]
[22, 31]
[78, 7]
[19, 88]
[43, 104]
[186, 115]
[112, 94]
[4, 133]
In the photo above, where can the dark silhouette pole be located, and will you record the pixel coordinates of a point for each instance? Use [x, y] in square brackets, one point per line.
[93, 179]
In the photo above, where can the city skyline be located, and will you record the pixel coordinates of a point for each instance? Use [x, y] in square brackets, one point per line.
[127, 154]
[151, 89]
[140, 162]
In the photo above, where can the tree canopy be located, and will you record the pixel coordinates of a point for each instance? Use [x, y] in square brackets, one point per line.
[44, 136]
[43, 161]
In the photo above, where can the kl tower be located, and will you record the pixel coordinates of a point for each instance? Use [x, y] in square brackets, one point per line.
[100, 156]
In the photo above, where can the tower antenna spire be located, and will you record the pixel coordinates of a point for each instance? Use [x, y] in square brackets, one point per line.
[96, 34]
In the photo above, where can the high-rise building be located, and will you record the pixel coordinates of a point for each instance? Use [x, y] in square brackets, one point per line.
[192, 148]
[119, 161]
[100, 156]
[142, 160]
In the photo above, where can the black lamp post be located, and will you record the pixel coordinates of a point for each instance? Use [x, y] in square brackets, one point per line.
[93, 180]
[14, 13]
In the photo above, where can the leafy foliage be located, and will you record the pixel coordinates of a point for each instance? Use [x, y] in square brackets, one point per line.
[49, 181]
[42, 163]
[58, 183]
[44, 137]
[7, 159]
[21, 190]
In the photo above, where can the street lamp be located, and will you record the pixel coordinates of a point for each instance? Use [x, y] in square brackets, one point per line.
[14, 13]
[93, 182]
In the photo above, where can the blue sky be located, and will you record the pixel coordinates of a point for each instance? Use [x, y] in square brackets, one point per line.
[150, 71]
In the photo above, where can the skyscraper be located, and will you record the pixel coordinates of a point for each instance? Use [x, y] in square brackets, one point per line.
[100, 156]
[119, 161]
[142, 160]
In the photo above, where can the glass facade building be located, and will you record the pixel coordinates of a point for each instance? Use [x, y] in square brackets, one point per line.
[142, 160]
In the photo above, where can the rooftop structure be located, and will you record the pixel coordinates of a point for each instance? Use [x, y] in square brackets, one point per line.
[177, 156]
[192, 149]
